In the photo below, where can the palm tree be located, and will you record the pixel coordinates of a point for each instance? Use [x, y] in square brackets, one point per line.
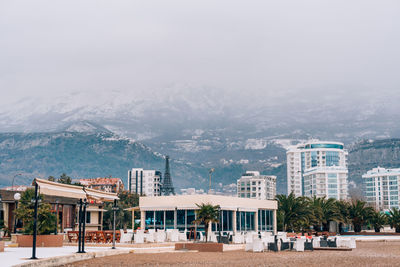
[294, 212]
[378, 220]
[359, 214]
[324, 211]
[343, 209]
[207, 214]
[394, 219]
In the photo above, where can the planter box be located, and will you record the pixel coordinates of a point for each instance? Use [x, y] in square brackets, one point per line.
[370, 233]
[201, 247]
[41, 240]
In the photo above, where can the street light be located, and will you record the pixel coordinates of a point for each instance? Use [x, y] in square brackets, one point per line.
[36, 201]
[17, 196]
[114, 209]
[12, 186]
[210, 172]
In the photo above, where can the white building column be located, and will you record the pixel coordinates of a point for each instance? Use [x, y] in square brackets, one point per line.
[234, 222]
[256, 221]
[175, 219]
[142, 219]
[275, 226]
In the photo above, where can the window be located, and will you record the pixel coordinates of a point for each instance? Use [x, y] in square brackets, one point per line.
[88, 217]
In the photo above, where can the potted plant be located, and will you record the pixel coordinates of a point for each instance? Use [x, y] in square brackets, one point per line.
[45, 223]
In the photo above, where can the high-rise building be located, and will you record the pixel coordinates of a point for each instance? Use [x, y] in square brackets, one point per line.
[381, 188]
[254, 185]
[317, 168]
[144, 182]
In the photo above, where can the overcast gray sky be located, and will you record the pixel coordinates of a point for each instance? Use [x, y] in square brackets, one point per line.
[53, 47]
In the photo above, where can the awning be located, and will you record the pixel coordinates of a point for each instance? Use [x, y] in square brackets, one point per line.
[72, 191]
[63, 190]
[95, 209]
[100, 195]
[137, 208]
[157, 208]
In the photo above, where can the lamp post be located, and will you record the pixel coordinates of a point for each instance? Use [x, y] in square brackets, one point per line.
[114, 209]
[80, 225]
[85, 203]
[210, 173]
[17, 196]
[35, 217]
[12, 185]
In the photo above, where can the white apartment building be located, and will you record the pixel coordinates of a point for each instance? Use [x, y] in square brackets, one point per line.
[317, 168]
[256, 186]
[144, 182]
[381, 188]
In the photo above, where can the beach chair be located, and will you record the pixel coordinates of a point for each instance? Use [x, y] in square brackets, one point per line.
[138, 238]
[308, 245]
[332, 243]
[299, 244]
[182, 236]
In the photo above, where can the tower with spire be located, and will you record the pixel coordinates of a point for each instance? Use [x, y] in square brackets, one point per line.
[167, 187]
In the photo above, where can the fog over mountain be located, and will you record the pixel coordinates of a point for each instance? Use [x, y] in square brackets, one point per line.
[227, 83]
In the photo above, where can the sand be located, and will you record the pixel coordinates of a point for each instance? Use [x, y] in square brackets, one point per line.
[366, 254]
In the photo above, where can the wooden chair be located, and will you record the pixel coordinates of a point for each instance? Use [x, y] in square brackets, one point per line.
[100, 237]
[72, 236]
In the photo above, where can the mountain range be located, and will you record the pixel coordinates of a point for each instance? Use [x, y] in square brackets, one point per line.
[94, 134]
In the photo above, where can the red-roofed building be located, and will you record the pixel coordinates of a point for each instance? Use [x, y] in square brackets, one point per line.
[111, 185]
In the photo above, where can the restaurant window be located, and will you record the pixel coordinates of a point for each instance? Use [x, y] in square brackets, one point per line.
[149, 219]
[88, 213]
[169, 219]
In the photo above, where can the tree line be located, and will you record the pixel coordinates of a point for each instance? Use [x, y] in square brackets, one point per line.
[301, 214]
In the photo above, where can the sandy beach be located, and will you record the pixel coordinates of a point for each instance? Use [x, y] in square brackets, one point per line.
[366, 254]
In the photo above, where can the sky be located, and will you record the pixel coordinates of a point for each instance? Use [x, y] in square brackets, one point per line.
[261, 48]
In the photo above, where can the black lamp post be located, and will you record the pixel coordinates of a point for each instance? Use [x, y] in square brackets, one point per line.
[35, 217]
[85, 203]
[82, 225]
[80, 203]
[114, 209]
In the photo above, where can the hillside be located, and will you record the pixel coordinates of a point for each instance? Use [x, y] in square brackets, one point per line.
[80, 155]
[369, 154]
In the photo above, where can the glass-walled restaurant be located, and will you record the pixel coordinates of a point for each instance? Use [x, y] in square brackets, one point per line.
[179, 212]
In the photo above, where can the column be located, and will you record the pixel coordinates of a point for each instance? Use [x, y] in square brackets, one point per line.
[165, 217]
[275, 223]
[256, 221]
[234, 222]
[142, 219]
[133, 219]
[209, 230]
[175, 219]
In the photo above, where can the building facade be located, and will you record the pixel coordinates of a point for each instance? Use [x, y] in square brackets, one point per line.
[256, 186]
[317, 168]
[144, 182]
[179, 212]
[381, 188]
[110, 185]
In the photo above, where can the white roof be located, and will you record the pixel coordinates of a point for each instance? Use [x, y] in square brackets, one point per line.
[190, 201]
